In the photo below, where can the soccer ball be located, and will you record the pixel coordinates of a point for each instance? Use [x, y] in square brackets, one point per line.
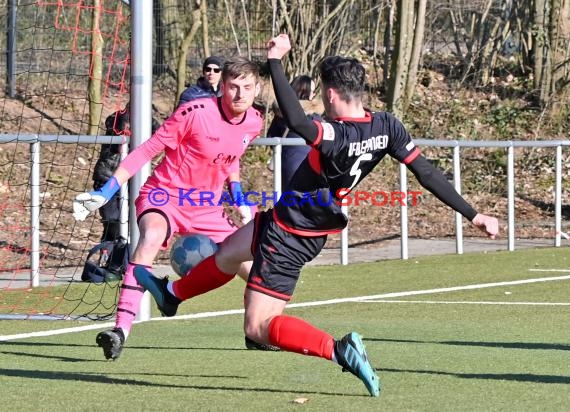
[189, 250]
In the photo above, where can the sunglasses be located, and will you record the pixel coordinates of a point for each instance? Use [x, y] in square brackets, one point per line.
[215, 70]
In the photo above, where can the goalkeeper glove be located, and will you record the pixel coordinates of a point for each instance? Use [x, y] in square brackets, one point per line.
[236, 193]
[246, 212]
[91, 201]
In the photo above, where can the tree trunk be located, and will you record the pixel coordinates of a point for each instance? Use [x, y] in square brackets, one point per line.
[388, 42]
[407, 53]
[416, 53]
[167, 33]
[398, 68]
[488, 51]
[159, 65]
[95, 103]
[375, 51]
[183, 54]
[540, 42]
[205, 27]
[560, 49]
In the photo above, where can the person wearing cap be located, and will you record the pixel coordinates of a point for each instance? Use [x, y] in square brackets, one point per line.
[207, 84]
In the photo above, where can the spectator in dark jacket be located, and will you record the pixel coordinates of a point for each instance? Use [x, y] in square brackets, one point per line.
[292, 156]
[208, 85]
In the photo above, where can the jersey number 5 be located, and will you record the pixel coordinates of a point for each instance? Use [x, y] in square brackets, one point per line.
[355, 169]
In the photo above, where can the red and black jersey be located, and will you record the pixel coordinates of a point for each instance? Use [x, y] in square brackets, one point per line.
[343, 153]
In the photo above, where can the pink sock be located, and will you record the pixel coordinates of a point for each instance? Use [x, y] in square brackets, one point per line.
[129, 299]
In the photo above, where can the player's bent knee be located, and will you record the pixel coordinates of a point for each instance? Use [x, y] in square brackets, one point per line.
[254, 331]
[227, 260]
[244, 269]
[151, 239]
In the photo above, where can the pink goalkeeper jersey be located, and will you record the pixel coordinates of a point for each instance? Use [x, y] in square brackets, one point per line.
[202, 147]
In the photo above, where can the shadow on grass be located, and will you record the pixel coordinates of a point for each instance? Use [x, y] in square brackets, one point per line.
[505, 345]
[128, 347]
[44, 356]
[519, 377]
[99, 378]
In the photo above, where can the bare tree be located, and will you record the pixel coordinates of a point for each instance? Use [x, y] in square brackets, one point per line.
[197, 15]
[551, 45]
[170, 22]
[316, 30]
[205, 25]
[390, 18]
[410, 23]
[560, 35]
[95, 102]
[479, 33]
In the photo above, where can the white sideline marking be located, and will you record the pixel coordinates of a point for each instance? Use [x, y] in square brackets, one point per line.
[55, 332]
[549, 270]
[294, 305]
[205, 315]
[452, 302]
[429, 291]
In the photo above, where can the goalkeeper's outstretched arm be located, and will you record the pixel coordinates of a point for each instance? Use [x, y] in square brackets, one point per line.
[85, 203]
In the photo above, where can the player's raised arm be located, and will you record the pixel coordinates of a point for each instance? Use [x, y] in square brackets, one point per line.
[288, 101]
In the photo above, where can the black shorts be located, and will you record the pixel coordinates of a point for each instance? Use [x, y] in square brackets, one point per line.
[278, 257]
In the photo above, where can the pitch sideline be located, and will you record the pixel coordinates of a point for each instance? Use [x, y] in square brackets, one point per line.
[5, 338]
[458, 302]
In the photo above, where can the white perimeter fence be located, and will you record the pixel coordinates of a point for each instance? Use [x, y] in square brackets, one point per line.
[35, 142]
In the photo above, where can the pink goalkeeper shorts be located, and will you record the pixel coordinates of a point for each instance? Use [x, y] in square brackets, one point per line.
[211, 221]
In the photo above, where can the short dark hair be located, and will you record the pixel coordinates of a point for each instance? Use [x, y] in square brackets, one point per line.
[302, 86]
[346, 75]
[240, 67]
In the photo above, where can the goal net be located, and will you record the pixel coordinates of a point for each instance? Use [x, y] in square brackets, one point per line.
[67, 68]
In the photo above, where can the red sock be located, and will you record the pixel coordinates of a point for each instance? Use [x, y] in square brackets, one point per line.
[296, 335]
[204, 277]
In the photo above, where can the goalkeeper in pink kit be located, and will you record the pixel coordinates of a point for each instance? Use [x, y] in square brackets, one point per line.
[203, 141]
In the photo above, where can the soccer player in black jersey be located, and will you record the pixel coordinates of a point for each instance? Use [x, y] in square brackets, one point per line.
[345, 149]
